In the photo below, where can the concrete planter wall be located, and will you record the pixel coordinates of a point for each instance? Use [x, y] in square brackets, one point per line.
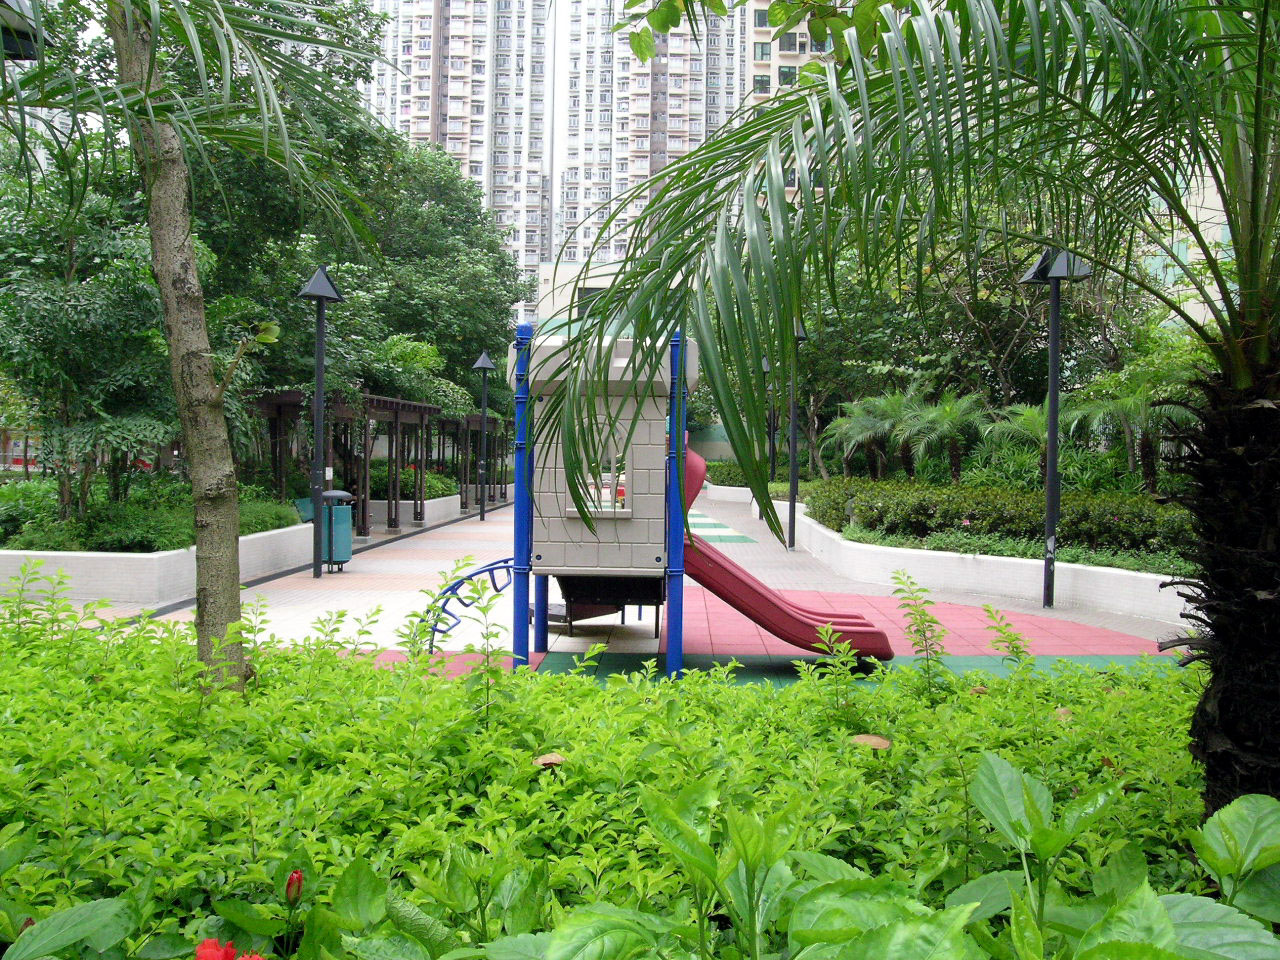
[435, 511]
[1075, 585]
[155, 579]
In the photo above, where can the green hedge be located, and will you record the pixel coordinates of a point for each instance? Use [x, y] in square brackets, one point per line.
[437, 485]
[137, 528]
[1109, 521]
[725, 473]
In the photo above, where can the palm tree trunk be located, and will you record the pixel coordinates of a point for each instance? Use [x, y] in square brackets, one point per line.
[908, 459]
[206, 441]
[1148, 458]
[956, 456]
[1232, 459]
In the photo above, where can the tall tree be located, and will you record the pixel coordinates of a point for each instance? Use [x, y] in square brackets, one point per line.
[1114, 130]
[174, 77]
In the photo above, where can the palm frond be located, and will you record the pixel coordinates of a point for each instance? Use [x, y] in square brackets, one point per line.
[1083, 126]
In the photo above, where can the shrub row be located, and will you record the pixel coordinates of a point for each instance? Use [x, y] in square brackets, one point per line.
[437, 485]
[1164, 562]
[135, 528]
[1110, 521]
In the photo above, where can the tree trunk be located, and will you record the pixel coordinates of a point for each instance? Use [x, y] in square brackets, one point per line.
[956, 456]
[206, 441]
[811, 435]
[908, 459]
[1148, 458]
[1232, 460]
[1130, 444]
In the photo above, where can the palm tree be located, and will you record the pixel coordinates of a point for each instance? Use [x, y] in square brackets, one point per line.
[858, 426]
[948, 425]
[1112, 130]
[1147, 421]
[1028, 424]
[879, 423]
[182, 75]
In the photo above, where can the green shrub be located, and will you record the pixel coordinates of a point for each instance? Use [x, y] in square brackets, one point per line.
[725, 473]
[436, 485]
[49, 533]
[122, 763]
[25, 500]
[1107, 521]
[258, 516]
[827, 501]
[994, 545]
[133, 528]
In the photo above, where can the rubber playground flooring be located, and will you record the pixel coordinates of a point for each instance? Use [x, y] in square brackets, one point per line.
[715, 531]
[781, 670]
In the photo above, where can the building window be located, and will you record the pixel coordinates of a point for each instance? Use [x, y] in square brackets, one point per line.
[787, 44]
[762, 51]
[786, 75]
[760, 83]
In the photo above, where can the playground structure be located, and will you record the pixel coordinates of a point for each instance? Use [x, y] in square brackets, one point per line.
[639, 552]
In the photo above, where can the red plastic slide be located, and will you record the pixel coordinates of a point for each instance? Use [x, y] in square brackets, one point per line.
[762, 604]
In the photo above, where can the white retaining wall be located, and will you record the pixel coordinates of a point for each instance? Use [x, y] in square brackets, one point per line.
[1075, 585]
[155, 579]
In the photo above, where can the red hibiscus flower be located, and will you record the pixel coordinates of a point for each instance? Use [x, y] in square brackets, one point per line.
[216, 950]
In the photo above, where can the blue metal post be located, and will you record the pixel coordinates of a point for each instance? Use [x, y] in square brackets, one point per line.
[523, 552]
[675, 510]
[541, 607]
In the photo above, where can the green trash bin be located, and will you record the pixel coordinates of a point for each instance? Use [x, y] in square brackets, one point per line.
[335, 545]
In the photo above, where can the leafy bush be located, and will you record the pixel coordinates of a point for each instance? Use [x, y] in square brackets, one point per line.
[122, 764]
[24, 500]
[259, 516]
[1108, 521]
[827, 502]
[158, 516]
[436, 485]
[725, 473]
[994, 545]
[133, 528]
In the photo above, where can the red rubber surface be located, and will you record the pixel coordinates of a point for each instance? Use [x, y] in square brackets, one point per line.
[760, 603]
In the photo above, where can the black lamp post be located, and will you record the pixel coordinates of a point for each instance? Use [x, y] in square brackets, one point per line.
[801, 335]
[771, 425]
[1052, 268]
[484, 365]
[321, 290]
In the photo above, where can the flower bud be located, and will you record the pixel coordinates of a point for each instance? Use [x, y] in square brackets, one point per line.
[293, 888]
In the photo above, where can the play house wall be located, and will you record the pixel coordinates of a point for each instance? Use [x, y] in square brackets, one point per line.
[630, 538]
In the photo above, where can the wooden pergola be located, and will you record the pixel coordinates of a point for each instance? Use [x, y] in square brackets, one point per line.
[416, 436]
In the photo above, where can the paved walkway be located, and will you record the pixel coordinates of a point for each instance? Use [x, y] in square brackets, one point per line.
[381, 591]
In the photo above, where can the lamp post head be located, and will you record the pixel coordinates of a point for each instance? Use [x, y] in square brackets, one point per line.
[1055, 264]
[801, 333]
[18, 31]
[764, 366]
[484, 364]
[319, 287]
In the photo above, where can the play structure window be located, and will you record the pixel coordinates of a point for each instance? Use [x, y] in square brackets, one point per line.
[607, 486]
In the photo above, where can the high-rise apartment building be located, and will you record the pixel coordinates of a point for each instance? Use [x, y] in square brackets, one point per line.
[546, 106]
[619, 120]
[471, 75]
